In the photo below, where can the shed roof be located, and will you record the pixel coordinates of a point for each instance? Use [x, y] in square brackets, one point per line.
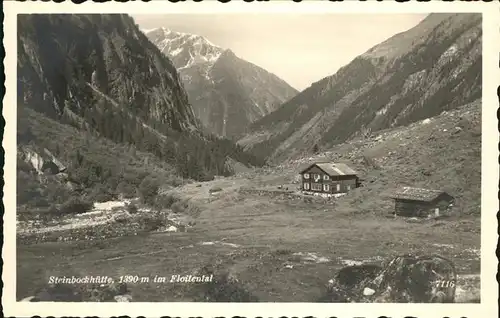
[334, 169]
[417, 194]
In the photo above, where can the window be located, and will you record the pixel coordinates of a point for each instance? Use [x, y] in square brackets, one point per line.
[317, 177]
[338, 187]
[316, 187]
[326, 187]
[306, 175]
[306, 186]
[326, 177]
[348, 187]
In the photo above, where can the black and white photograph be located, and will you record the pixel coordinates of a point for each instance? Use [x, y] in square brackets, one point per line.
[262, 158]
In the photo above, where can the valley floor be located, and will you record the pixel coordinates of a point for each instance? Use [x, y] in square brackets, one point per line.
[285, 249]
[281, 250]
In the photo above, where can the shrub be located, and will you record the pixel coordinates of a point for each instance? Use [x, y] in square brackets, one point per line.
[193, 210]
[186, 207]
[103, 197]
[121, 219]
[165, 201]
[49, 213]
[132, 208]
[39, 202]
[100, 196]
[75, 205]
[57, 193]
[176, 182]
[151, 222]
[100, 193]
[179, 206]
[127, 189]
[148, 189]
[28, 189]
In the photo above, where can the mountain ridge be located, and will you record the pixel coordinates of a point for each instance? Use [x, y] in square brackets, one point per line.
[227, 92]
[377, 91]
[100, 75]
[198, 48]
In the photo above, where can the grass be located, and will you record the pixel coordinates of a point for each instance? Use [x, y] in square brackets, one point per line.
[269, 231]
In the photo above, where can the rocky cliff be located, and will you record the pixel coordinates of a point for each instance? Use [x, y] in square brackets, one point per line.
[431, 68]
[67, 63]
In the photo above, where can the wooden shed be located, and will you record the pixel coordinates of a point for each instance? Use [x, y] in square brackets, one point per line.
[328, 178]
[418, 202]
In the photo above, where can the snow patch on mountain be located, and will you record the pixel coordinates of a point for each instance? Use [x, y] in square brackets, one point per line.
[185, 50]
[226, 92]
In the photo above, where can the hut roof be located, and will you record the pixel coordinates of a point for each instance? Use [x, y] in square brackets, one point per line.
[333, 169]
[416, 194]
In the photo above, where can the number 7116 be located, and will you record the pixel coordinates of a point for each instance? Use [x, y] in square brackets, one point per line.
[445, 283]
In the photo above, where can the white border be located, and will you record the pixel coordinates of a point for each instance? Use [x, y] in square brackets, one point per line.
[489, 165]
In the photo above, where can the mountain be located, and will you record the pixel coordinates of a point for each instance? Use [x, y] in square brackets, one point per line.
[97, 59]
[96, 83]
[431, 68]
[227, 92]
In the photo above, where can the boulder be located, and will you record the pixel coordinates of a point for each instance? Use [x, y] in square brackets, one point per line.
[352, 275]
[368, 291]
[416, 279]
[42, 160]
[404, 279]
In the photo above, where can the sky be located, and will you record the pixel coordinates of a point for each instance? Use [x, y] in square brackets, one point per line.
[299, 48]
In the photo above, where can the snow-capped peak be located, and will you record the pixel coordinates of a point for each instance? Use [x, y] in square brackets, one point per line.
[184, 49]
